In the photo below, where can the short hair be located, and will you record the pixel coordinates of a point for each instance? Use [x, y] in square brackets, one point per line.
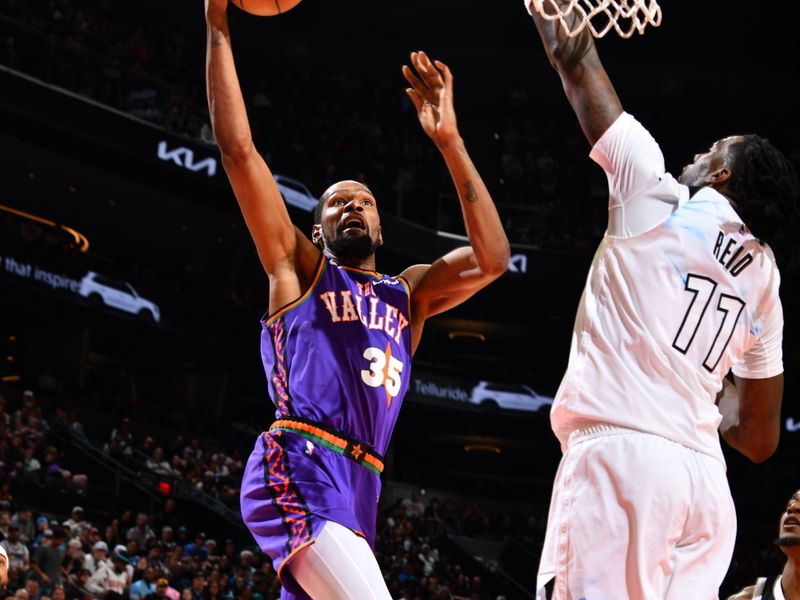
[318, 210]
[765, 187]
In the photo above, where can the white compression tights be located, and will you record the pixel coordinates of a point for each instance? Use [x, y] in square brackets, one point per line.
[339, 565]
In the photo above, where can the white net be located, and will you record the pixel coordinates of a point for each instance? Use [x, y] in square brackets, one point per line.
[601, 16]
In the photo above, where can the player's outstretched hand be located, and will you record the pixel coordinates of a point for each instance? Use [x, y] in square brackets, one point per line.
[215, 9]
[431, 92]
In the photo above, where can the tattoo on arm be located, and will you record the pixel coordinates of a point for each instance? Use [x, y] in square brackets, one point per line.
[217, 37]
[472, 194]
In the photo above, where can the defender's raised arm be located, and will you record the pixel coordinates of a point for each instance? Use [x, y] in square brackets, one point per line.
[585, 81]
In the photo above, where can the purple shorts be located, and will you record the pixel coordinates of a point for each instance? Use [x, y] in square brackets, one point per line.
[292, 486]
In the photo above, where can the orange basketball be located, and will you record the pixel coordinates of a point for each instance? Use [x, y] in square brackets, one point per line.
[266, 8]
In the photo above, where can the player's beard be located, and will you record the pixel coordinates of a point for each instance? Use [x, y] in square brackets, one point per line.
[349, 247]
[789, 541]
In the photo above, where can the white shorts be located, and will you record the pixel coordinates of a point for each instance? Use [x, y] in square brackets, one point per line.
[636, 516]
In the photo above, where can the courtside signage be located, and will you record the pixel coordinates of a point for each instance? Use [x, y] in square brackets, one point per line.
[95, 288]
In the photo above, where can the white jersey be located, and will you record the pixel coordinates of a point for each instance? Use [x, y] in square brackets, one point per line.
[679, 293]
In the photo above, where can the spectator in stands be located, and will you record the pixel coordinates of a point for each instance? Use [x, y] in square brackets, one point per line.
[97, 558]
[58, 593]
[197, 549]
[167, 516]
[167, 541]
[90, 537]
[214, 592]
[76, 588]
[155, 558]
[198, 587]
[414, 506]
[110, 582]
[47, 559]
[75, 525]
[141, 531]
[30, 464]
[246, 563]
[143, 587]
[119, 446]
[55, 475]
[211, 549]
[23, 519]
[160, 591]
[183, 536]
[73, 560]
[18, 554]
[5, 522]
[6, 499]
[33, 590]
[158, 464]
[41, 526]
[121, 551]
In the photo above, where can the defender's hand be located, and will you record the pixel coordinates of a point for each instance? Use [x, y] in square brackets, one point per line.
[431, 92]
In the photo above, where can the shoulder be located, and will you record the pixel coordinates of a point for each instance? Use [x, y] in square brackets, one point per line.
[412, 275]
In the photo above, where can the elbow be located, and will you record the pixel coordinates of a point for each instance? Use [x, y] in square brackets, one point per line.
[760, 452]
[233, 147]
[235, 152]
[498, 264]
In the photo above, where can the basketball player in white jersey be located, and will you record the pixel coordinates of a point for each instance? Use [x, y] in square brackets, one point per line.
[680, 292]
[785, 586]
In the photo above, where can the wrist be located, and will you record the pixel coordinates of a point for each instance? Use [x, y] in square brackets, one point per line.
[217, 19]
[449, 143]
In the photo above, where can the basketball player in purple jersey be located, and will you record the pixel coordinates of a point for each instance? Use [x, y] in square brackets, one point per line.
[339, 337]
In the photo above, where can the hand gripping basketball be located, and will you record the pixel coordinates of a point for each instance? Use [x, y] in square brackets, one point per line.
[266, 8]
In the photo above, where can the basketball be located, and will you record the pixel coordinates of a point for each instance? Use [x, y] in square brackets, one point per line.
[266, 8]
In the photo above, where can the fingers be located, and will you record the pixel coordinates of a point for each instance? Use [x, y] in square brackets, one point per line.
[430, 74]
[416, 98]
[418, 85]
[428, 80]
[448, 76]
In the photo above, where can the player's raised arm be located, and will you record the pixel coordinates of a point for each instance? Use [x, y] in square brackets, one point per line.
[585, 81]
[458, 275]
[287, 255]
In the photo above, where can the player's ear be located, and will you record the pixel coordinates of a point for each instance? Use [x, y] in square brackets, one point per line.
[379, 240]
[316, 235]
[719, 177]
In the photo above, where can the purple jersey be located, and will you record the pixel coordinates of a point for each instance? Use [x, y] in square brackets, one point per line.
[339, 356]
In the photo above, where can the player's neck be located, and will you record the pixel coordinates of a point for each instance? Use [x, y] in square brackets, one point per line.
[791, 578]
[365, 264]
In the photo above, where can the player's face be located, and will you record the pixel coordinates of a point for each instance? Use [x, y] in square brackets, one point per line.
[350, 226]
[705, 164]
[3, 575]
[789, 532]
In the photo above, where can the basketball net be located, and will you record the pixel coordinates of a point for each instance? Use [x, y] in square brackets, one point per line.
[601, 16]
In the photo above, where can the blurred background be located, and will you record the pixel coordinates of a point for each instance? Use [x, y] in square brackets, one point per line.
[130, 291]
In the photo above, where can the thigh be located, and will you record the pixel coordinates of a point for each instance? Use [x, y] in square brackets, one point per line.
[703, 556]
[339, 565]
[624, 500]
